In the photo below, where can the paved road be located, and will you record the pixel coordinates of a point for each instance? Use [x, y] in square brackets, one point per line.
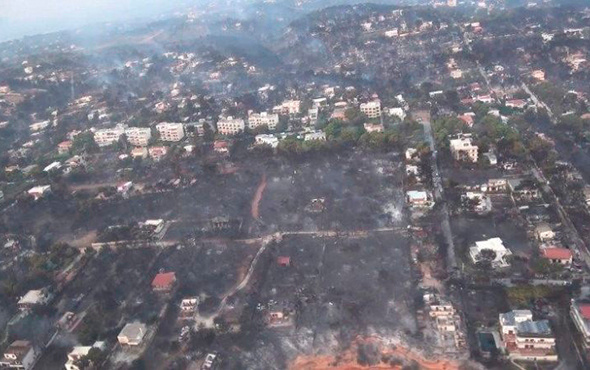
[580, 245]
[439, 194]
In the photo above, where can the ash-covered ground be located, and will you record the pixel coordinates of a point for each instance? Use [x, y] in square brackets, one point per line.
[335, 289]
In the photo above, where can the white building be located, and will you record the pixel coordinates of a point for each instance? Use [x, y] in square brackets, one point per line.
[456, 73]
[371, 109]
[538, 74]
[263, 119]
[124, 187]
[79, 352]
[170, 131]
[132, 334]
[139, 152]
[288, 107]
[412, 170]
[411, 153]
[419, 199]
[316, 135]
[157, 152]
[38, 126]
[580, 313]
[33, 298]
[230, 125]
[526, 339]
[543, 232]
[108, 136]
[267, 139]
[397, 112]
[38, 192]
[509, 320]
[189, 306]
[313, 114]
[463, 149]
[394, 32]
[483, 203]
[138, 136]
[373, 127]
[446, 320]
[494, 244]
[21, 354]
[53, 166]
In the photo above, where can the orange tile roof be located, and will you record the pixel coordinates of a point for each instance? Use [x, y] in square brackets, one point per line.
[164, 280]
[557, 253]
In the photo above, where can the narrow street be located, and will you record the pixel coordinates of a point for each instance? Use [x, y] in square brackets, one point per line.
[424, 118]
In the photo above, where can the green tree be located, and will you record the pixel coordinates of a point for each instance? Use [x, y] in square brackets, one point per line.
[333, 130]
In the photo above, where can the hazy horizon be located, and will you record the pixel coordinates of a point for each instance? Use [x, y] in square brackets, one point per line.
[32, 17]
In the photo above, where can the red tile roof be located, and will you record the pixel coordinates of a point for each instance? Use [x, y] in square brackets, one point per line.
[164, 280]
[557, 253]
[467, 119]
[284, 261]
[584, 310]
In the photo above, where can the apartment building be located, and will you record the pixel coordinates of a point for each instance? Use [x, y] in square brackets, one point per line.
[463, 149]
[170, 131]
[371, 109]
[446, 321]
[230, 125]
[288, 107]
[263, 119]
[526, 339]
[138, 136]
[108, 136]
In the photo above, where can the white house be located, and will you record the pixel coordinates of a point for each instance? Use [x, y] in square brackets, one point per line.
[543, 232]
[38, 192]
[316, 135]
[33, 298]
[53, 166]
[494, 244]
[526, 339]
[397, 112]
[411, 153]
[419, 198]
[79, 352]
[267, 139]
[21, 354]
[373, 127]
[132, 334]
[38, 126]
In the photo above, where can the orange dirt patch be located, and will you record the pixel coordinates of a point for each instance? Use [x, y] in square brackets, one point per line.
[348, 359]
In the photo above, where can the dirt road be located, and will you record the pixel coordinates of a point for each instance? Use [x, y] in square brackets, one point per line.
[258, 197]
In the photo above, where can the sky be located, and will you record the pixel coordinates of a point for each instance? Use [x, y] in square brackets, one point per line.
[30, 17]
